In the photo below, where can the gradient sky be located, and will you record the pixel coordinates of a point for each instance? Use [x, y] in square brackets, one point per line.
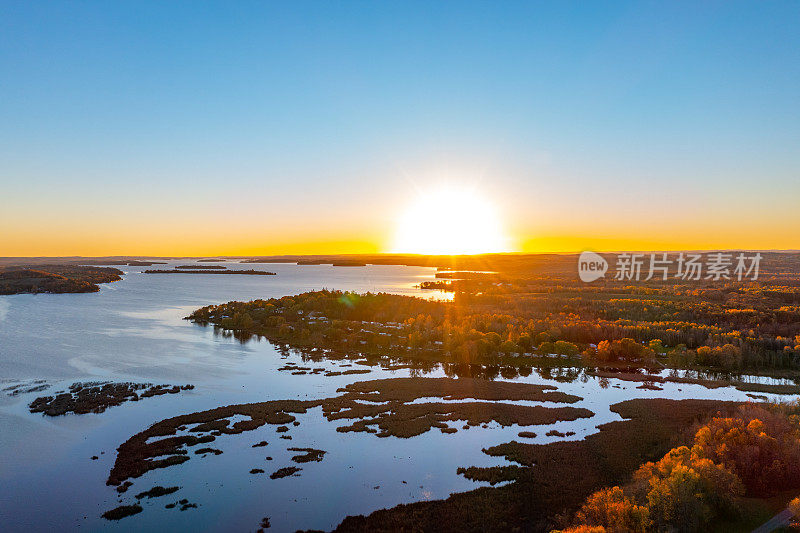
[199, 128]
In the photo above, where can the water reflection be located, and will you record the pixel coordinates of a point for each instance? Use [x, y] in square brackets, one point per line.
[556, 373]
[136, 332]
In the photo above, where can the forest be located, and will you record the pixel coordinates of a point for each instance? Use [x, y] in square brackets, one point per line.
[732, 464]
[733, 327]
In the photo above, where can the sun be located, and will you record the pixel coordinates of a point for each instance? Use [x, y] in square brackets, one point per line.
[450, 221]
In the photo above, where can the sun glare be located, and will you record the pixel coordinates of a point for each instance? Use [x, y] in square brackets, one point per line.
[450, 221]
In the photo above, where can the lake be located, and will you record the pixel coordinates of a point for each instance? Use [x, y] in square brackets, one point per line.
[133, 330]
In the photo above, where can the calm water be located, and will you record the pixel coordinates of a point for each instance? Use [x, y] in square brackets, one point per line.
[133, 330]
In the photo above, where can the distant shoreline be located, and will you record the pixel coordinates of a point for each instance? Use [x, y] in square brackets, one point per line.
[188, 271]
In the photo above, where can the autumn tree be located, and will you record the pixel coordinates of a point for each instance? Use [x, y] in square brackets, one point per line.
[611, 509]
[759, 445]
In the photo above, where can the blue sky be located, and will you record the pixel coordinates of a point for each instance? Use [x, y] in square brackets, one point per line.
[318, 120]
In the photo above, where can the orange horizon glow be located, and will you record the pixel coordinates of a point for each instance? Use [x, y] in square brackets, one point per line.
[516, 224]
[165, 247]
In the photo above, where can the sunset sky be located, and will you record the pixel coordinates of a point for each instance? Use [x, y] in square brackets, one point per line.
[233, 128]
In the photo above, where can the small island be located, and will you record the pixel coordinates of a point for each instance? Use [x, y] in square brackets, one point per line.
[337, 261]
[349, 264]
[122, 262]
[210, 271]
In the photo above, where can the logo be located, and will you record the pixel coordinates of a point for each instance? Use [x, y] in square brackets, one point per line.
[687, 266]
[591, 266]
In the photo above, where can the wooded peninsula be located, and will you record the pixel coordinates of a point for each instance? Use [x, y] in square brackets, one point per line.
[55, 278]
